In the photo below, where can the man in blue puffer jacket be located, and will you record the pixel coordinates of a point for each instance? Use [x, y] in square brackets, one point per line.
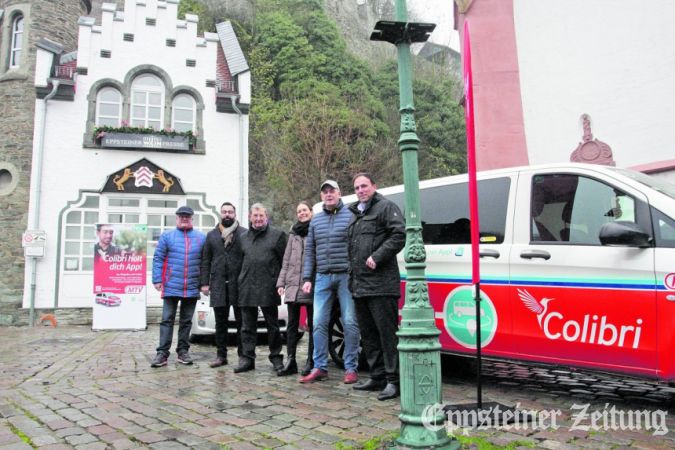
[175, 272]
[326, 265]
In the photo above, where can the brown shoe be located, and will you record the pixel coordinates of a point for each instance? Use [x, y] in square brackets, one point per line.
[315, 375]
[219, 361]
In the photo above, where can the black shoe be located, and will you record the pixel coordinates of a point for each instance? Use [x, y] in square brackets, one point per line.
[159, 361]
[244, 366]
[219, 361]
[184, 358]
[309, 365]
[290, 368]
[370, 385]
[389, 392]
[277, 364]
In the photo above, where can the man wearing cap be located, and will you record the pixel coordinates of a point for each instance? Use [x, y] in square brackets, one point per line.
[175, 273]
[326, 265]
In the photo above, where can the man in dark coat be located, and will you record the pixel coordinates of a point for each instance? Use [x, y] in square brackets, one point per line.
[376, 234]
[221, 263]
[263, 247]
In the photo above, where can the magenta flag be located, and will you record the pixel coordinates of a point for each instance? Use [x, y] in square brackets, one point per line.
[471, 156]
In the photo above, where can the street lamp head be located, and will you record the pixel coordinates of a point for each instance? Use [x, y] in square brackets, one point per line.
[399, 32]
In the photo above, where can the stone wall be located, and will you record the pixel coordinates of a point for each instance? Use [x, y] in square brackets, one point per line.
[83, 316]
[57, 21]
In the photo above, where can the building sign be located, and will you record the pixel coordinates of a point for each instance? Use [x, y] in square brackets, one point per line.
[144, 177]
[154, 141]
[33, 243]
[120, 268]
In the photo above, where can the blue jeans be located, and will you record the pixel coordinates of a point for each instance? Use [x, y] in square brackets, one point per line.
[187, 309]
[325, 285]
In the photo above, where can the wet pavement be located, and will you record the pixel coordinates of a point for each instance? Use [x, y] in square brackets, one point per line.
[70, 387]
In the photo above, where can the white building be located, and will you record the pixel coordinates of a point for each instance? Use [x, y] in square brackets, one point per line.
[541, 67]
[141, 67]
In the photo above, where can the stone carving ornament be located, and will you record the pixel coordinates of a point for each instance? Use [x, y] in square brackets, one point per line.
[589, 150]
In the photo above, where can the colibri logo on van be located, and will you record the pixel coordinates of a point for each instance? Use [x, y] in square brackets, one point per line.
[459, 316]
[593, 329]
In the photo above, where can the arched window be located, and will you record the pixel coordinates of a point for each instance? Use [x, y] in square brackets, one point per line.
[108, 107]
[147, 102]
[183, 116]
[16, 42]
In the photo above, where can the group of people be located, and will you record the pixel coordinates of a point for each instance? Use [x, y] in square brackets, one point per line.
[343, 253]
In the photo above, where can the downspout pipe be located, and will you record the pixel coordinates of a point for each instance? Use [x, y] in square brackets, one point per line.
[35, 222]
[243, 209]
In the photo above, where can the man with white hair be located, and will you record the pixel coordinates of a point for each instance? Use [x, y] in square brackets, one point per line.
[263, 248]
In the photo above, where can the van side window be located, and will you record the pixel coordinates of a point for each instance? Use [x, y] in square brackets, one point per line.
[571, 208]
[664, 229]
[445, 212]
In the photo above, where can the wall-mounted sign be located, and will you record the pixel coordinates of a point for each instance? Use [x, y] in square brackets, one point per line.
[33, 243]
[143, 176]
[154, 141]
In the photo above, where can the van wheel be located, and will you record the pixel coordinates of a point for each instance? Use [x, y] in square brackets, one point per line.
[336, 343]
[196, 338]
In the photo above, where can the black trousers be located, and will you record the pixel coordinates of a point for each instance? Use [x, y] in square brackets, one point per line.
[292, 328]
[222, 314]
[249, 331]
[378, 322]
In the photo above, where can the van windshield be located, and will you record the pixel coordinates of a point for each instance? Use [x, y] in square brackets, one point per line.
[655, 183]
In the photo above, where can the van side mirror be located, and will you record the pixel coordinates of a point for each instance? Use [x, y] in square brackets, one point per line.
[624, 234]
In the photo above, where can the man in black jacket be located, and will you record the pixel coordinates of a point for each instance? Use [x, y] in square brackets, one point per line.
[221, 263]
[263, 247]
[376, 235]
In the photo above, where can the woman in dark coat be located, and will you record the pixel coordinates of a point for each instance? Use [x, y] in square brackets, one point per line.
[289, 284]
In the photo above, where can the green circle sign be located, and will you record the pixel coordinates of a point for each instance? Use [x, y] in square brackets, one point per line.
[459, 316]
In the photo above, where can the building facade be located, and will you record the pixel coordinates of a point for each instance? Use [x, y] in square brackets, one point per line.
[554, 77]
[23, 23]
[139, 116]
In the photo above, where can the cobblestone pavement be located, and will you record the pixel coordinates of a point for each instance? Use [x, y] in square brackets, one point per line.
[70, 387]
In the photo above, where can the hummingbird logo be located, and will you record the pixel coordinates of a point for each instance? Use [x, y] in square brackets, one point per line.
[534, 305]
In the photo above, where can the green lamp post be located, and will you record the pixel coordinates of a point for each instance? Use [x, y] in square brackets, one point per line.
[422, 422]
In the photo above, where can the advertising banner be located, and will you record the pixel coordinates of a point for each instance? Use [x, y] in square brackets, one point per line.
[120, 270]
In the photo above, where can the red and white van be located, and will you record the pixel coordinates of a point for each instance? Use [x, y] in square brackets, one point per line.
[577, 266]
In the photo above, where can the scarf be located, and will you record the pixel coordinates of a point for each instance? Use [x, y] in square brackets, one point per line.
[228, 233]
[301, 228]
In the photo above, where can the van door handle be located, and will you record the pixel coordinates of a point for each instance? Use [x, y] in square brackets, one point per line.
[529, 254]
[489, 253]
[670, 298]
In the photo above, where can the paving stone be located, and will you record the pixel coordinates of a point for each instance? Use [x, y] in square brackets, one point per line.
[71, 431]
[149, 437]
[81, 439]
[107, 392]
[40, 441]
[93, 446]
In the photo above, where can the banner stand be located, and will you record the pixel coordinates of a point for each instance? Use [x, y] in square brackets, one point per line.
[120, 272]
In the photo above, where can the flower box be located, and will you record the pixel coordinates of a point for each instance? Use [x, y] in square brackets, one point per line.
[137, 140]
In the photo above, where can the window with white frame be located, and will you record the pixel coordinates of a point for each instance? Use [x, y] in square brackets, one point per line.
[79, 235]
[157, 212]
[183, 115]
[16, 42]
[147, 102]
[109, 107]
